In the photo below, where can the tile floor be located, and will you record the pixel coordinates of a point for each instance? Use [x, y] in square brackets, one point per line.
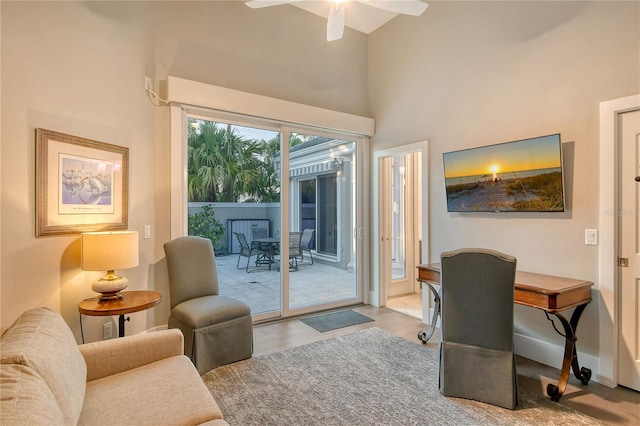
[311, 284]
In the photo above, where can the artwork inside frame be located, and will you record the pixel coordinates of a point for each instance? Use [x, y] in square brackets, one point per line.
[81, 184]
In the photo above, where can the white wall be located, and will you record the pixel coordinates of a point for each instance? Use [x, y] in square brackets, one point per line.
[69, 69]
[79, 67]
[468, 74]
[280, 52]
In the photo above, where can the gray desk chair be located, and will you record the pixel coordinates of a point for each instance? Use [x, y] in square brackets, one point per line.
[217, 329]
[476, 350]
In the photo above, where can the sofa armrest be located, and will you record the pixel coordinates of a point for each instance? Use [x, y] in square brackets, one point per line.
[109, 357]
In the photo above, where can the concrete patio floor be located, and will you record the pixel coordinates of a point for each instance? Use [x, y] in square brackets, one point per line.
[311, 284]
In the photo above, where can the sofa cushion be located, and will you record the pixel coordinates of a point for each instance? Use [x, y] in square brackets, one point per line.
[25, 399]
[168, 391]
[42, 341]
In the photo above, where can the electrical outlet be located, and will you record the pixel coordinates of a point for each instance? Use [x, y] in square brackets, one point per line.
[148, 83]
[108, 331]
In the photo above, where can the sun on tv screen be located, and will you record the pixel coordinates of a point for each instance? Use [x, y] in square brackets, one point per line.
[517, 176]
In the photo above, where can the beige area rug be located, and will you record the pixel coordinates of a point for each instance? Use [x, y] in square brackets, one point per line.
[370, 377]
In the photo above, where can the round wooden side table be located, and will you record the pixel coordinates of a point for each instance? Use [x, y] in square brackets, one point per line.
[131, 301]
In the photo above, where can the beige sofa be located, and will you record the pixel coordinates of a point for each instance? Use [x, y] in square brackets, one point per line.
[47, 379]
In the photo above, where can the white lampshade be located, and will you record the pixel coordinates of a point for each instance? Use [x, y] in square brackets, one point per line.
[108, 251]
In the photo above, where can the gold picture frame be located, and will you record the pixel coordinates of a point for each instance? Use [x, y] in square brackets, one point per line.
[82, 185]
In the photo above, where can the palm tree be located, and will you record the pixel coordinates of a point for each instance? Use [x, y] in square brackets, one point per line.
[223, 166]
[204, 160]
[267, 182]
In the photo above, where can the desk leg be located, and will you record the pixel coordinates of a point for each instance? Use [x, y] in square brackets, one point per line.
[425, 336]
[121, 321]
[570, 360]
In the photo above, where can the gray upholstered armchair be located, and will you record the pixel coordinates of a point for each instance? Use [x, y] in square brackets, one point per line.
[476, 350]
[217, 329]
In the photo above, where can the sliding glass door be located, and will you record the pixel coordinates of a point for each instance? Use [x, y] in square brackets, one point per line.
[281, 216]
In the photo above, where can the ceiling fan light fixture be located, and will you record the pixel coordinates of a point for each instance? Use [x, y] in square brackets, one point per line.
[336, 18]
[405, 7]
[335, 22]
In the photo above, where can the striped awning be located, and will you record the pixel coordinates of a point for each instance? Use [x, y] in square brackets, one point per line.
[316, 168]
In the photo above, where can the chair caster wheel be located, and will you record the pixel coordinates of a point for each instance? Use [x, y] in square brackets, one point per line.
[553, 392]
[585, 375]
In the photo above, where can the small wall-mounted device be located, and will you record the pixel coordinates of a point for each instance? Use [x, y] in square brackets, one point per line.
[108, 331]
[591, 237]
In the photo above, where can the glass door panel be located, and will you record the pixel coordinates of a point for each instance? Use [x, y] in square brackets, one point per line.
[234, 200]
[322, 182]
[398, 247]
[308, 209]
[402, 212]
[327, 214]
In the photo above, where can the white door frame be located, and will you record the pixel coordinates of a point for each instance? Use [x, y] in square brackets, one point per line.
[378, 296]
[608, 197]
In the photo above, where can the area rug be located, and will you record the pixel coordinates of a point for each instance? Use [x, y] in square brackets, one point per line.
[335, 320]
[370, 377]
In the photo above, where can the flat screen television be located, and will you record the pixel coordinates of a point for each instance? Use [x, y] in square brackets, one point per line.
[518, 176]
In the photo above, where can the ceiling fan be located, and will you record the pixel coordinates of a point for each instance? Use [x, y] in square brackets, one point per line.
[335, 19]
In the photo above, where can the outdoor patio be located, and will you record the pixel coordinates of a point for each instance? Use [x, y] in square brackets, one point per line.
[311, 284]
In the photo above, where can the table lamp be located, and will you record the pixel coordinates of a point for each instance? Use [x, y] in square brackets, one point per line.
[108, 251]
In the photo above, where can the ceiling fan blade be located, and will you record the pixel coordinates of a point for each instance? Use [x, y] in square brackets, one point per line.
[335, 23]
[257, 4]
[406, 7]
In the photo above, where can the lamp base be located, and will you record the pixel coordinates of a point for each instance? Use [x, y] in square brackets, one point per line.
[110, 296]
[110, 286]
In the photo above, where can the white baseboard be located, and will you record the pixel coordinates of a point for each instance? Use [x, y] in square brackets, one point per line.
[552, 355]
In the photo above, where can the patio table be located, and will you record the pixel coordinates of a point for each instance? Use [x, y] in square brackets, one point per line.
[272, 244]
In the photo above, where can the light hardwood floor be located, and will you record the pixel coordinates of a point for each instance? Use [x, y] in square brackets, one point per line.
[617, 406]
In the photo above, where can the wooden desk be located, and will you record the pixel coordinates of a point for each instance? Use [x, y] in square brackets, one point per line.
[131, 301]
[549, 293]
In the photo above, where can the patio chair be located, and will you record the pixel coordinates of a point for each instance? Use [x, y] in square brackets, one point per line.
[477, 360]
[305, 243]
[295, 250]
[260, 232]
[248, 251]
[217, 330]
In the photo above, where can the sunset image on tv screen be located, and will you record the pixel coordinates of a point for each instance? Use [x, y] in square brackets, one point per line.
[523, 175]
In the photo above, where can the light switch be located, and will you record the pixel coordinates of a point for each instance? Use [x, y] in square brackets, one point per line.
[591, 237]
[147, 232]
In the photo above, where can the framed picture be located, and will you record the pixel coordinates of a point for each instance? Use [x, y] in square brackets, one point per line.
[81, 184]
